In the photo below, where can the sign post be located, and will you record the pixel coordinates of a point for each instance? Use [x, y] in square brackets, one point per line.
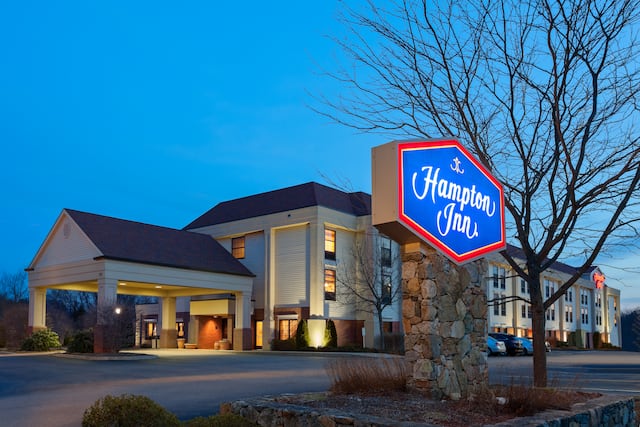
[442, 206]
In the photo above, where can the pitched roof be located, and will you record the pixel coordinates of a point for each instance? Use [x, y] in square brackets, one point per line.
[125, 240]
[285, 199]
[517, 252]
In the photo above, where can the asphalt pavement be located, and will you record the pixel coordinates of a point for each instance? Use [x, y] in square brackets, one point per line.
[54, 390]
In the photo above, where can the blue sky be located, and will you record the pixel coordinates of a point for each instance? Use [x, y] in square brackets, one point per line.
[156, 111]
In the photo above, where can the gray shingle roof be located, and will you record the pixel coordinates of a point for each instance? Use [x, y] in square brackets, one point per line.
[125, 240]
[285, 199]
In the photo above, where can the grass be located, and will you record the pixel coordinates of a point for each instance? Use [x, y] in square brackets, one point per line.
[367, 375]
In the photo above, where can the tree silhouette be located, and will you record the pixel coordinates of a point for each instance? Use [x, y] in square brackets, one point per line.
[545, 94]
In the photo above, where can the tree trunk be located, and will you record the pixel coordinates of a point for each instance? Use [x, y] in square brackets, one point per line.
[380, 328]
[538, 326]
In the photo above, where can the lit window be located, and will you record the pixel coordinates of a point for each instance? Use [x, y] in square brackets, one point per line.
[287, 328]
[150, 330]
[329, 284]
[386, 289]
[329, 244]
[237, 247]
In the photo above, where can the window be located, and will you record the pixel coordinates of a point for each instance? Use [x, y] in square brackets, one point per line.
[503, 306]
[329, 284]
[568, 314]
[524, 287]
[386, 289]
[259, 333]
[385, 252]
[568, 296]
[584, 316]
[150, 330]
[499, 277]
[496, 304]
[329, 244]
[551, 313]
[524, 311]
[237, 247]
[287, 328]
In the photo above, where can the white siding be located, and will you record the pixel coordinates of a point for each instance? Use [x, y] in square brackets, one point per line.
[254, 260]
[292, 268]
[347, 261]
[66, 244]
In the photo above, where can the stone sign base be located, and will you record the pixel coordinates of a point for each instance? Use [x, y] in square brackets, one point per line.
[444, 309]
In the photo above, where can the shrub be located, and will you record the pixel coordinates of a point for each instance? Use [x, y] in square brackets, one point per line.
[128, 411]
[81, 342]
[330, 335]
[367, 375]
[283, 345]
[221, 420]
[522, 400]
[302, 335]
[43, 340]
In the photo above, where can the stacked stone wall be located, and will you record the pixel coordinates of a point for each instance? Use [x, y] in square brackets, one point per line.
[445, 323]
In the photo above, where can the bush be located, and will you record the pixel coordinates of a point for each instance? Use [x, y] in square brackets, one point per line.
[302, 335]
[43, 340]
[128, 411]
[222, 420]
[81, 342]
[283, 345]
[330, 335]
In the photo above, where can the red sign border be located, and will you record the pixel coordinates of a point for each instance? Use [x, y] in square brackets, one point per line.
[417, 228]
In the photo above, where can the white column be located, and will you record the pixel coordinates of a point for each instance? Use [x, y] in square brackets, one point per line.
[269, 323]
[37, 308]
[107, 297]
[168, 333]
[316, 276]
[104, 340]
[242, 332]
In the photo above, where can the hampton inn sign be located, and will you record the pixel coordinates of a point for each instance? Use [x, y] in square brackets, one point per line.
[436, 191]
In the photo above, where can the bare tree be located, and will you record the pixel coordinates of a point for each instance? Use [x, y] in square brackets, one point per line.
[13, 286]
[544, 93]
[368, 277]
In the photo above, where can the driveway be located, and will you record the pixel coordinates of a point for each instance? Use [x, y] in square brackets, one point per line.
[54, 391]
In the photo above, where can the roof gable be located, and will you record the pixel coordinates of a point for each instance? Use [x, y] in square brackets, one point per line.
[132, 241]
[286, 199]
[65, 243]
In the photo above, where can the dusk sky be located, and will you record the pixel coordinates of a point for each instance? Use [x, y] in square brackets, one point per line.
[157, 111]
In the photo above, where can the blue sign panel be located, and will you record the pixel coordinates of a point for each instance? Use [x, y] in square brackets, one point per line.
[450, 200]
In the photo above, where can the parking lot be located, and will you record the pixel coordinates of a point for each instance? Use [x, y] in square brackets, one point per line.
[194, 383]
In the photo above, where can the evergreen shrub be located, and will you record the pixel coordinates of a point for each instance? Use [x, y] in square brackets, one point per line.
[302, 335]
[81, 342]
[43, 340]
[128, 410]
[330, 335]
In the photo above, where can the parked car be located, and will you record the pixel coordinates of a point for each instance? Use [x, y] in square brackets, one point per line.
[527, 346]
[511, 342]
[495, 347]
